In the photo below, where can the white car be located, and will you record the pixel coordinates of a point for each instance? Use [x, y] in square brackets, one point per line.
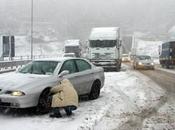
[29, 87]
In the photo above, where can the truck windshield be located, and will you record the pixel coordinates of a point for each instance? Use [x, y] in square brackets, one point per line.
[69, 49]
[102, 44]
[40, 67]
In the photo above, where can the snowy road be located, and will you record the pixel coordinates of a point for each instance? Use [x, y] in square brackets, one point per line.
[163, 78]
[164, 117]
[127, 99]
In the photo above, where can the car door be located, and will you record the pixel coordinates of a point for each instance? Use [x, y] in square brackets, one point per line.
[71, 67]
[85, 76]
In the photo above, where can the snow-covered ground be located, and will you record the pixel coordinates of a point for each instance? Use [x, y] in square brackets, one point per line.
[172, 71]
[127, 100]
[164, 118]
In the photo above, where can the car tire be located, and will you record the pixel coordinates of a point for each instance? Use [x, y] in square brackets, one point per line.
[95, 90]
[44, 103]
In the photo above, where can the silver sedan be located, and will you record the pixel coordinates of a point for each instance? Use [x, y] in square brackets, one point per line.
[30, 85]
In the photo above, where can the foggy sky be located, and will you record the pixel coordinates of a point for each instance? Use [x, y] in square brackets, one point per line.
[75, 18]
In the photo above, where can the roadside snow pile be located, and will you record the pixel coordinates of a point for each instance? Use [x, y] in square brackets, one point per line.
[140, 90]
[164, 119]
[97, 112]
[152, 96]
[100, 110]
[139, 97]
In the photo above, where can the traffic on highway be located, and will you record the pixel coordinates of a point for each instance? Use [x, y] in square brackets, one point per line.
[87, 65]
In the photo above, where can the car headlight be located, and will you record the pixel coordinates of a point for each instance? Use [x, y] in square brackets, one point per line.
[17, 93]
[152, 63]
[140, 63]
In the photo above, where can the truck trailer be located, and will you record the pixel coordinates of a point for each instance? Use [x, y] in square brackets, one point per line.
[167, 54]
[104, 47]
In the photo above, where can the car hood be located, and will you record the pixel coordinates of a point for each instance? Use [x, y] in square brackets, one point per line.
[19, 81]
[146, 61]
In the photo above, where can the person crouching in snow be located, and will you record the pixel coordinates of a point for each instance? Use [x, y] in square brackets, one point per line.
[64, 96]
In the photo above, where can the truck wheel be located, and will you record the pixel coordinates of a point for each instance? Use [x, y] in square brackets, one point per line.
[95, 90]
[117, 69]
[43, 102]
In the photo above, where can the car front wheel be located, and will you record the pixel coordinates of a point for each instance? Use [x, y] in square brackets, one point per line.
[95, 90]
[44, 103]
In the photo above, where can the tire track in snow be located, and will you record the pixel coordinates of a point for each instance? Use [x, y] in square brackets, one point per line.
[133, 118]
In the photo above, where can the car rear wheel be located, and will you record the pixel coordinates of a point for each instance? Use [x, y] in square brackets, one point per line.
[95, 90]
[44, 102]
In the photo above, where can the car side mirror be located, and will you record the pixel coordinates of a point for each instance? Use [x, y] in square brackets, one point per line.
[63, 73]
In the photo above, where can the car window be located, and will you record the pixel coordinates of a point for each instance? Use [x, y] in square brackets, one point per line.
[40, 67]
[83, 65]
[70, 66]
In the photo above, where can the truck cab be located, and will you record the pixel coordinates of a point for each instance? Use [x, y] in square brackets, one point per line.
[104, 48]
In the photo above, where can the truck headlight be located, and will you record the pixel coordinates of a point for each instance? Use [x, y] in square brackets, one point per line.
[17, 93]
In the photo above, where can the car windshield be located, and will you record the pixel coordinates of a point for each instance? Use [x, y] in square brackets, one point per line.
[102, 44]
[40, 67]
[144, 57]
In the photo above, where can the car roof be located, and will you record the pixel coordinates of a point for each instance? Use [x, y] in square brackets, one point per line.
[59, 59]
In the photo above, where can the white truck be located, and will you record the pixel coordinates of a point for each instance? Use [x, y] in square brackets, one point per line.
[104, 47]
[73, 46]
